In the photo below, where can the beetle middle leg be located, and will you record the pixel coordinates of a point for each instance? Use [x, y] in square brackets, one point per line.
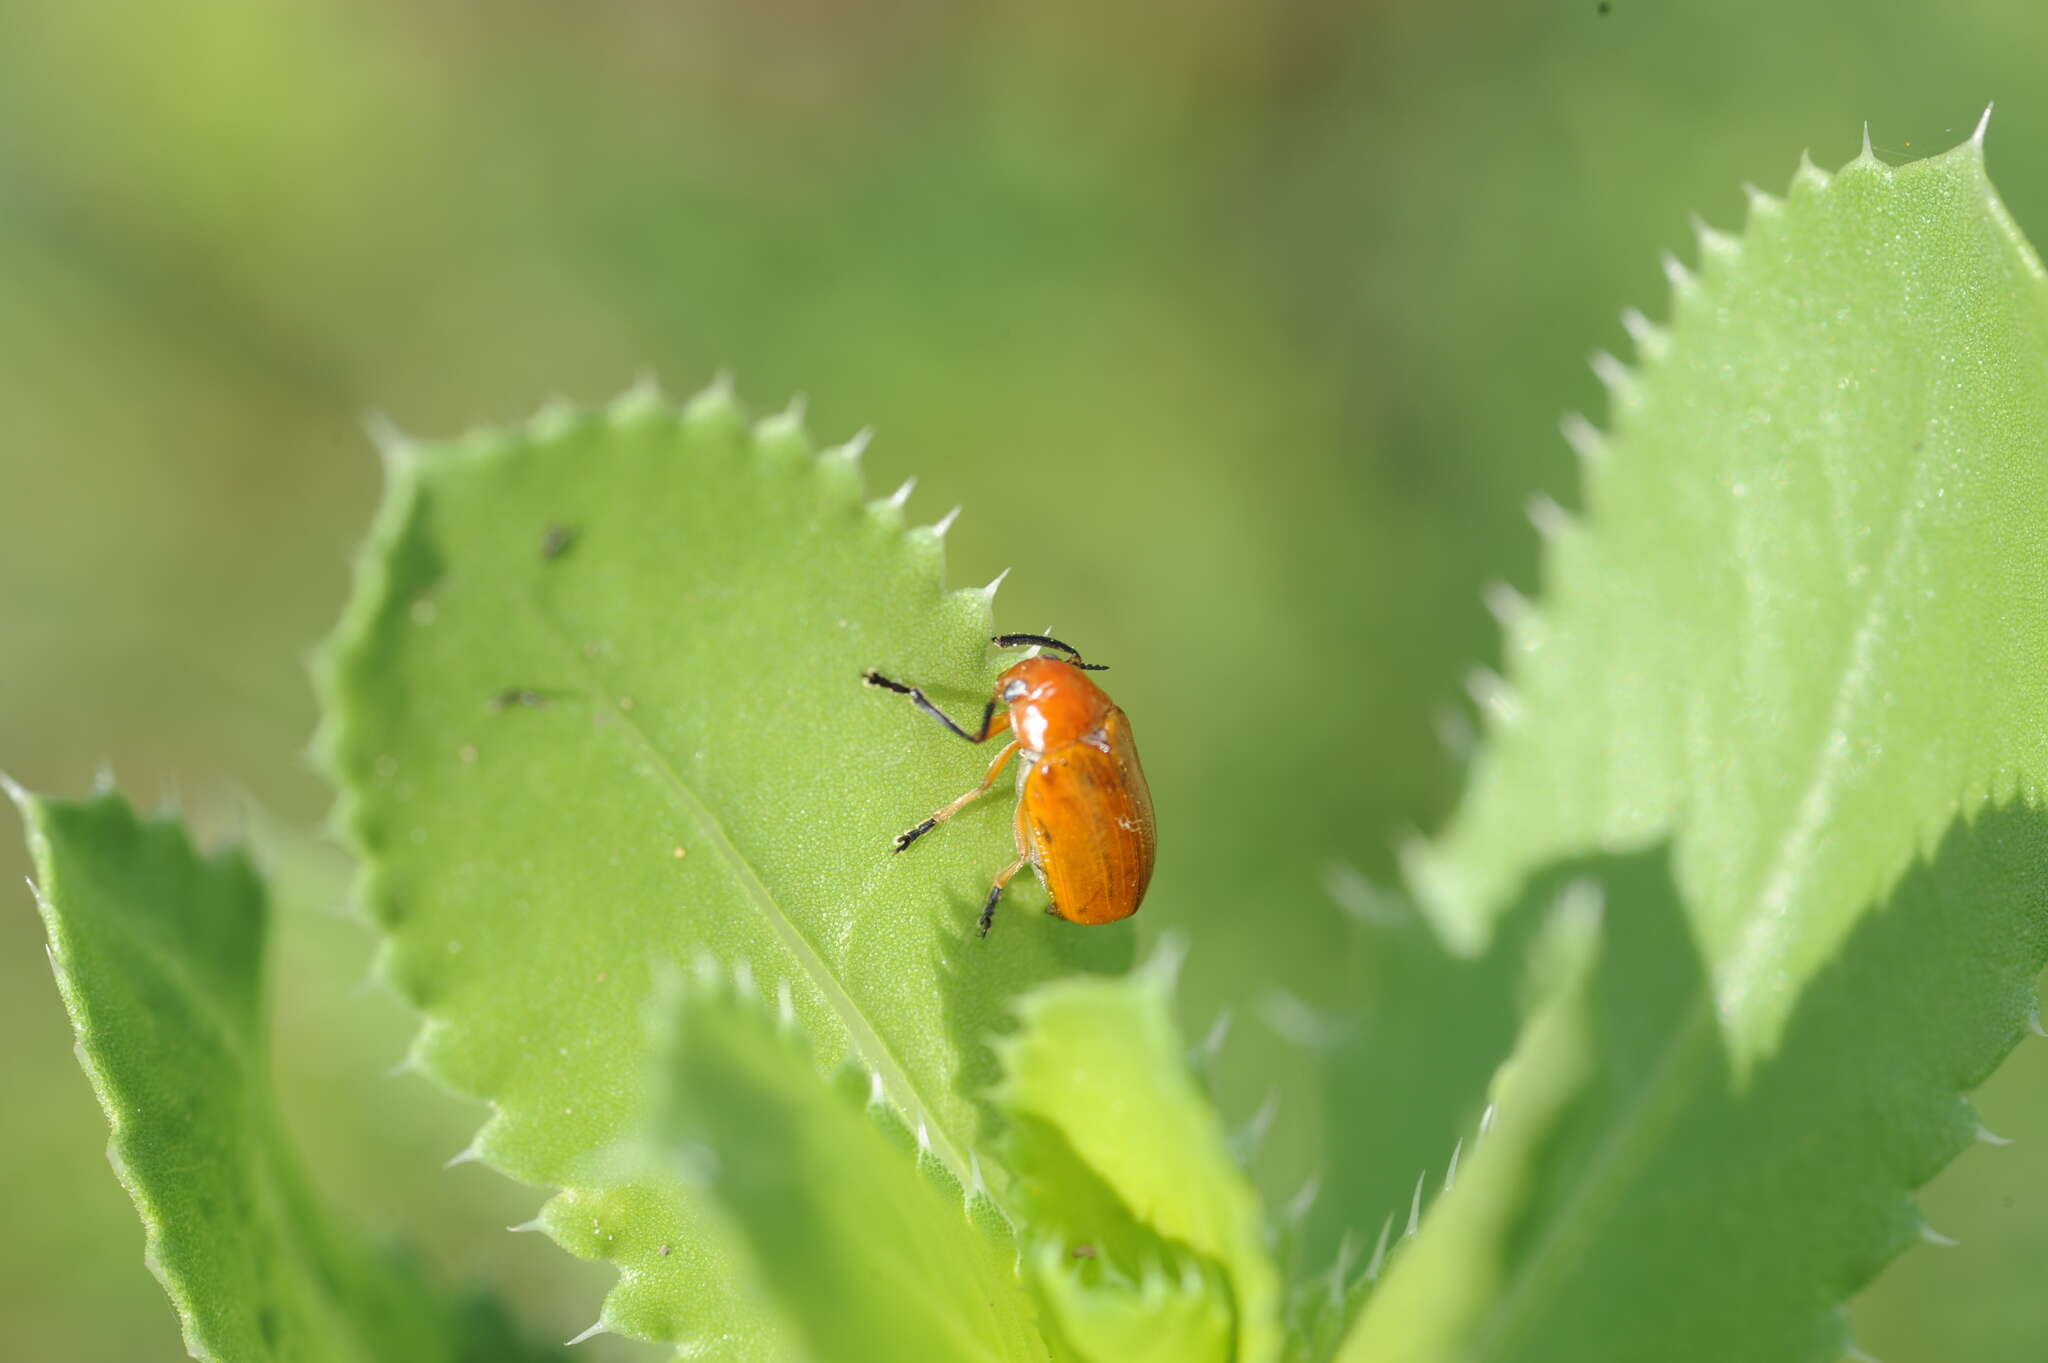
[947, 811]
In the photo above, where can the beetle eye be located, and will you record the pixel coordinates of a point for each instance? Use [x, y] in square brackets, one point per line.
[1014, 690]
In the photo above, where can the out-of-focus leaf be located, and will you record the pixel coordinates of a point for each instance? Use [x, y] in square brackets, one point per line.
[596, 706]
[1098, 1066]
[159, 955]
[875, 1252]
[1683, 1210]
[1437, 1300]
[1157, 1317]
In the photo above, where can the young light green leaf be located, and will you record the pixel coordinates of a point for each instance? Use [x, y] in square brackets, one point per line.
[596, 706]
[1798, 629]
[1098, 1063]
[159, 955]
[1683, 1210]
[1437, 1299]
[877, 1254]
[1158, 1318]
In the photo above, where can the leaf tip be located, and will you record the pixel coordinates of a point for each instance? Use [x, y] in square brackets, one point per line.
[995, 584]
[1935, 1237]
[1983, 127]
[1987, 1136]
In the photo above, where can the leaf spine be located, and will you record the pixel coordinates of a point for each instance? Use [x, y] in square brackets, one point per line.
[1613, 374]
[1304, 1201]
[593, 1332]
[1712, 240]
[1379, 1251]
[1990, 1137]
[1547, 516]
[1415, 1207]
[855, 445]
[1347, 1251]
[1507, 606]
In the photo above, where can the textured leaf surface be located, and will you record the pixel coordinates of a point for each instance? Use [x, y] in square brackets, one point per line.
[159, 954]
[1799, 629]
[1098, 1064]
[594, 707]
[877, 1253]
[1783, 702]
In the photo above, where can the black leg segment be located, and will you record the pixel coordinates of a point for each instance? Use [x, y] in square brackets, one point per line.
[918, 698]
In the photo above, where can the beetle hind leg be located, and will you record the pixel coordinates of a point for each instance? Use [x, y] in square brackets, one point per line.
[988, 910]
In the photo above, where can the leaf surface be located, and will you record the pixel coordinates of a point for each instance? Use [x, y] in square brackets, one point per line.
[595, 707]
[159, 956]
[1798, 630]
[876, 1252]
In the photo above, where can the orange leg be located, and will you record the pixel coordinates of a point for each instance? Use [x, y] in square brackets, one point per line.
[946, 812]
[988, 910]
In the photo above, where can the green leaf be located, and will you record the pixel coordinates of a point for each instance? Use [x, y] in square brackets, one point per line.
[1683, 1211]
[1783, 704]
[596, 706]
[1155, 1318]
[1097, 1065]
[1797, 632]
[159, 956]
[1435, 1303]
[877, 1253]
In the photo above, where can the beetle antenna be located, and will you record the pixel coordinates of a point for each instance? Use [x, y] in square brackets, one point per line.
[1047, 641]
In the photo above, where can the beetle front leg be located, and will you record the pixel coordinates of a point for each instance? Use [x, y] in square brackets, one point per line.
[939, 816]
[990, 723]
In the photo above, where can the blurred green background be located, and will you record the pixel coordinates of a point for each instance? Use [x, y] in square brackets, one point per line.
[1241, 328]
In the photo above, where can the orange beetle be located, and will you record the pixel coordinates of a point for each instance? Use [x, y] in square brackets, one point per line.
[1084, 812]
